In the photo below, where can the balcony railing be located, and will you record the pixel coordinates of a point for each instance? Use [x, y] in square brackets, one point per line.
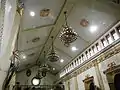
[100, 45]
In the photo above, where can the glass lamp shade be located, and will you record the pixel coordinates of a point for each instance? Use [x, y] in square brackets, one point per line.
[36, 81]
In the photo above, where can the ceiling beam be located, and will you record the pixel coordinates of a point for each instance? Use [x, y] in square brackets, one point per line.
[67, 6]
[38, 27]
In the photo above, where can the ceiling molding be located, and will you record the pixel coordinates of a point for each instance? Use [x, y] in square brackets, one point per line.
[38, 27]
[31, 48]
[63, 52]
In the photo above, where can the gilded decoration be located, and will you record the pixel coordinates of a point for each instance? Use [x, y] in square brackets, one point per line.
[88, 78]
[44, 12]
[20, 7]
[109, 54]
[111, 72]
[112, 68]
[87, 81]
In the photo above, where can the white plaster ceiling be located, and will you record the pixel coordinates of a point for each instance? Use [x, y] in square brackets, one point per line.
[36, 6]
[99, 13]
[26, 37]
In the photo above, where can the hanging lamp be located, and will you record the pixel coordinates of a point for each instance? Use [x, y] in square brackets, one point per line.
[53, 57]
[44, 68]
[68, 35]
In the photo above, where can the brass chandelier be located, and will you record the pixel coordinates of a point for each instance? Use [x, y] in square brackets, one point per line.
[44, 68]
[53, 57]
[68, 35]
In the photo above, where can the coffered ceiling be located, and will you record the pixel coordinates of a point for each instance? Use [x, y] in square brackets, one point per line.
[36, 31]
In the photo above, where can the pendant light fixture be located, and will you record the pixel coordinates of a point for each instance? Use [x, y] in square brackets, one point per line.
[53, 57]
[44, 68]
[68, 35]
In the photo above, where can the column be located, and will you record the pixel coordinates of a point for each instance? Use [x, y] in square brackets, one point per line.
[76, 83]
[100, 81]
[66, 85]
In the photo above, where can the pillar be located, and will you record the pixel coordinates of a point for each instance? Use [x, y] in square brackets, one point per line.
[100, 81]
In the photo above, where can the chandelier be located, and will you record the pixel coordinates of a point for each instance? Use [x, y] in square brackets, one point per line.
[53, 57]
[68, 35]
[44, 68]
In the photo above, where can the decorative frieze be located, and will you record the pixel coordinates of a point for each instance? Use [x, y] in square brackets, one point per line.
[109, 54]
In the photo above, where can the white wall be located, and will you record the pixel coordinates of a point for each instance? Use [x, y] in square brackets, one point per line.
[10, 12]
[92, 72]
[103, 66]
[81, 77]
[2, 77]
[24, 80]
[11, 25]
[72, 83]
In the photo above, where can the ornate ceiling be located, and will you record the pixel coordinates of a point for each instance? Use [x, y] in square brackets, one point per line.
[89, 18]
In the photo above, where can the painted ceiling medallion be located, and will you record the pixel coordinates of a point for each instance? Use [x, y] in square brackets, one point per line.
[32, 54]
[36, 39]
[84, 23]
[44, 12]
[53, 57]
[68, 35]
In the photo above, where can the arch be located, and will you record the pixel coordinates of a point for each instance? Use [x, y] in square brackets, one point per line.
[91, 86]
[117, 81]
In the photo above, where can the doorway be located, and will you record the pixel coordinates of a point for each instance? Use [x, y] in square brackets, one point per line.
[92, 87]
[117, 81]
